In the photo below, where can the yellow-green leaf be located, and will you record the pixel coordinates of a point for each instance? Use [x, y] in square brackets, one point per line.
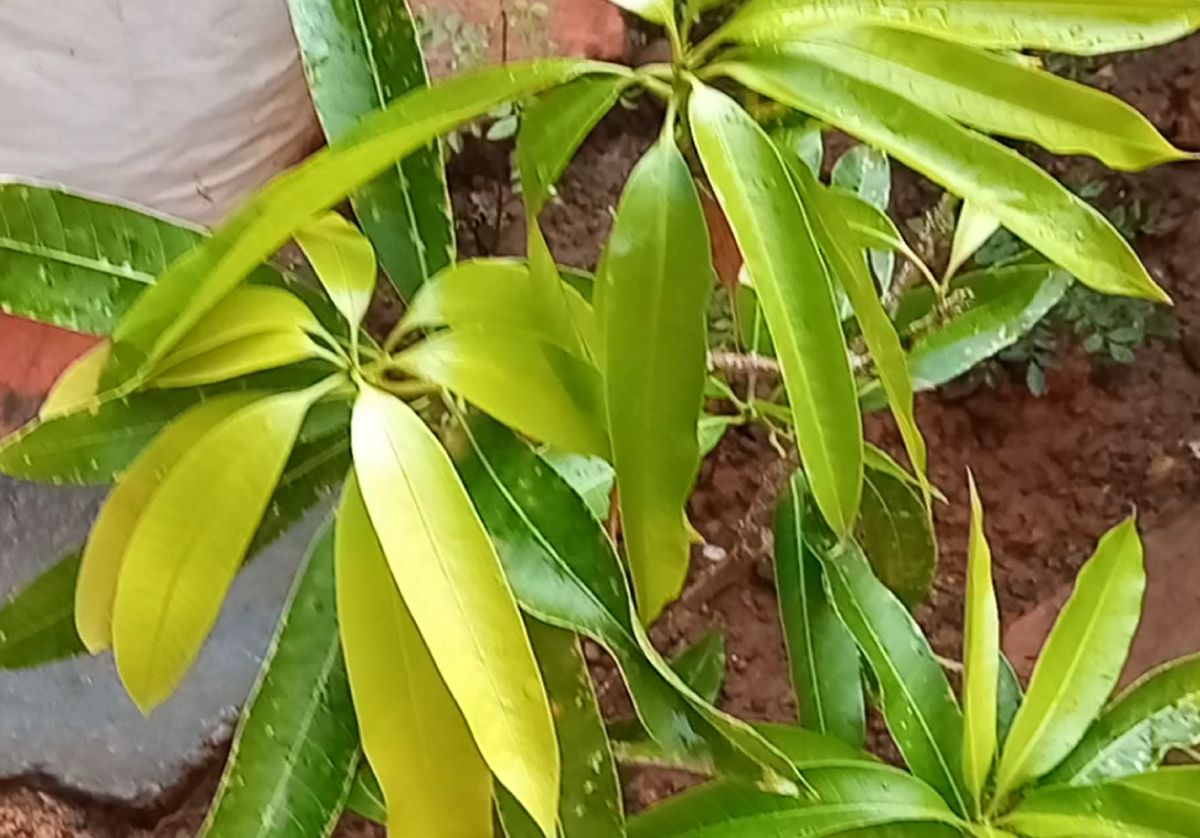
[241, 357]
[451, 580]
[775, 233]
[981, 658]
[191, 539]
[1081, 661]
[998, 179]
[78, 384]
[433, 778]
[111, 534]
[499, 371]
[658, 276]
[975, 226]
[343, 260]
[661, 12]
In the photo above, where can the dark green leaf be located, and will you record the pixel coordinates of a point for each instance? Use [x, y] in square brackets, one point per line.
[824, 662]
[295, 752]
[361, 56]
[591, 477]
[895, 531]
[37, 623]
[702, 665]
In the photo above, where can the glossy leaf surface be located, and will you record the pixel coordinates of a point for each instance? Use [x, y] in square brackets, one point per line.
[344, 262]
[775, 234]
[1159, 713]
[296, 752]
[241, 357]
[37, 623]
[981, 664]
[433, 778]
[1081, 661]
[822, 656]
[996, 178]
[177, 567]
[917, 702]
[658, 277]
[360, 56]
[972, 231]
[451, 581]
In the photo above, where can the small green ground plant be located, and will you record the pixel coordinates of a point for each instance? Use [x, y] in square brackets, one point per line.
[434, 629]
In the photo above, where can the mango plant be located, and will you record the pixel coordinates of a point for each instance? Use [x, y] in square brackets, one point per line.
[434, 628]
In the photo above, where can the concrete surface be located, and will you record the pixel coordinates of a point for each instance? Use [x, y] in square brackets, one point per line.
[72, 720]
[1170, 628]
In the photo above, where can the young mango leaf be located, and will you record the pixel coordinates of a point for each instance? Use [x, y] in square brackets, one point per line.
[822, 656]
[177, 566]
[848, 797]
[418, 743]
[973, 230]
[1087, 28]
[344, 262]
[1008, 302]
[496, 370]
[996, 95]
[193, 284]
[658, 277]
[981, 662]
[494, 293]
[591, 805]
[37, 625]
[113, 530]
[553, 129]
[999, 180]
[1156, 715]
[241, 357]
[702, 665]
[917, 702]
[1160, 804]
[774, 231]
[358, 60]
[451, 581]
[896, 533]
[841, 252]
[295, 752]
[1081, 661]
[565, 572]
[78, 385]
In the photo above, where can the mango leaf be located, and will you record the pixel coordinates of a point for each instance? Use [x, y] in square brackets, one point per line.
[177, 566]
[77, 262]
[873, 228]
[194, 283]
[114, 527]
[493, 293]
[360, 58]
[981, 658]
[1159, 713]
[896, 534]
[996, 95]
[1081, 661]
[591, 477]
[865, 172]
[1089, 28]
[1007, 303]
[753, 331]
[846, 263]
[96, 442]
[658, 276]
[1009, 696]
[661, 12]
[1160, 804]
[997, 179]
[344, 262]
[37, 625]
[366, 797]
[591, 805]
[241, 357]
[295, 753]
[452, 583]
[710, 430]
[496, 370]
[847, 797]
[553, 128]
[918, 704]
[973, 230]
[822, 656]
[565, 572]
[78, 385]
[434, 779]
[702, 665]
[774, 231]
